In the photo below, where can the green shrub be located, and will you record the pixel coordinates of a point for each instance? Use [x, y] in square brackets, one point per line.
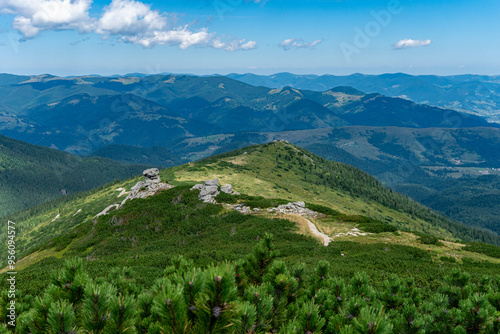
[226, 198]
[323, 209]
[427, 239]
[479, 247]
[376, 227]
[448, 259]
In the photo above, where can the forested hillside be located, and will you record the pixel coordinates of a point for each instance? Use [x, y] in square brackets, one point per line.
[30, 174]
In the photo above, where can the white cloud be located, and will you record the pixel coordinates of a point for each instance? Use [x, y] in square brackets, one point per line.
[136, 23]
[410, 43]
[34, 16]
[234, 45]
[129, 21]
[297, 43]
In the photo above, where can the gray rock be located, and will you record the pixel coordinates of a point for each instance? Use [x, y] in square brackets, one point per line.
[197, 187]
[149, 187]
[152, 175]
[300, 204]
[208, 190]
[228, 189]
[212, 182]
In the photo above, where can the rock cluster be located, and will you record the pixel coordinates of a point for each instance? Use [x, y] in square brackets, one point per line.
[297, 208]
[210, 189]
[149, 187]
[246, 210]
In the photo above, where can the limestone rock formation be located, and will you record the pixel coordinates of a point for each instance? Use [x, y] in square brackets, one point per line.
[208, 191]
[149, 187]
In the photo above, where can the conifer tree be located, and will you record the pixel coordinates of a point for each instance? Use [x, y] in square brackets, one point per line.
[94, 311]
[170, 306]
[475, 314]
[61, 318]
[71, 281]
[309, 320]
[217, 307]
[38, 324]
[263, 303]
[121, 315]
[145, 319]
[371, 321]
[256, 265]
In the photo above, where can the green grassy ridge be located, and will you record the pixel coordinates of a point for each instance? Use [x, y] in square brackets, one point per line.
[36, 226]
[358, 184]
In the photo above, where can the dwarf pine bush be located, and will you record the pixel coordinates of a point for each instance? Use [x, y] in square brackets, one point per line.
[258, 294]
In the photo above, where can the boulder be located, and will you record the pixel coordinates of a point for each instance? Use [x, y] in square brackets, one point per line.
[208, 190]
[152, 175]
[228, 189]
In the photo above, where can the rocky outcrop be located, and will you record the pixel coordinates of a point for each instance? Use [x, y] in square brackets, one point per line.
[149, 187]
[208, 190]
[246, 210]
[228, 189]
[295, 208]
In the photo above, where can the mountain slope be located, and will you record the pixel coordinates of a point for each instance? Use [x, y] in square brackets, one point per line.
[155, 156]
[421, 163]
[31, 175]
[83, 123]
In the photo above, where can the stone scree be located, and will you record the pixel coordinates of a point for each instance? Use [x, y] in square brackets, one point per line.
[297, 208]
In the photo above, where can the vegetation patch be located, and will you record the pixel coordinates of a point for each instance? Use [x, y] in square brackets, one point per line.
[479, 247]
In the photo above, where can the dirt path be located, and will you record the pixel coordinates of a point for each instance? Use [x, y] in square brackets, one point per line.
[314, 230]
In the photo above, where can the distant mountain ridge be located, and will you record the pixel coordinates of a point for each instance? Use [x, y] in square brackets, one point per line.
[477, 94]
[83, 114]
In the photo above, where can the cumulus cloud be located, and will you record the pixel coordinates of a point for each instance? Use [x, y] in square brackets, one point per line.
[34, 16]
[129, 21]
[410, 43]
[135, 22]
[297, 43]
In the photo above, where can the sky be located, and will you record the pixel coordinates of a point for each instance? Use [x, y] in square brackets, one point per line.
[106, 37]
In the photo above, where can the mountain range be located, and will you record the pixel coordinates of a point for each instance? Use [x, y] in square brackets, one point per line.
[166, 120]
[477, 94]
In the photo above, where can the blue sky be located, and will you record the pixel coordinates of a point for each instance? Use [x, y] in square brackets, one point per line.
[76, 37]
